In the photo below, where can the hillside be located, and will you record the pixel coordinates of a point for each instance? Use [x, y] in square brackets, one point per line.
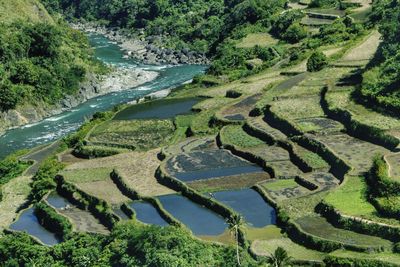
[31, 10]
[271, 158]
[41, 62]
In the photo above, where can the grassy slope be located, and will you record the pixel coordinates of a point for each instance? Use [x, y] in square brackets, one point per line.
[31, 10]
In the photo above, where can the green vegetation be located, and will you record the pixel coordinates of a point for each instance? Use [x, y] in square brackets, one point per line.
[42, 63]
[129, 244]
[235, 135]
[351, 197]
[380, 85]
[141, 135]
[43, 181]
[11, 167]
[30, 10]
[53, 221]
[296, 127]
[280, 184]
[317, 62]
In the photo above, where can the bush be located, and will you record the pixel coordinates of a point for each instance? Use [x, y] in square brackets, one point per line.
[44, 179]
[317, 62]
[295, 33]
[52, 221]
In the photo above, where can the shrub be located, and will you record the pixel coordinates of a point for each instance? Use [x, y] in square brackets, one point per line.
[317, 62]
[52, 221]
[295, 33]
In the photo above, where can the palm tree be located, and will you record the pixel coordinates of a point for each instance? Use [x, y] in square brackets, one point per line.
[279, 258]
[235, 223]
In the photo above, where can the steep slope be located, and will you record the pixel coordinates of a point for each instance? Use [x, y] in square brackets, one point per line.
[31, 10]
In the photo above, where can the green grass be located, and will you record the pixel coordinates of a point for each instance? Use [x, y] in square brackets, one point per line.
[235, 135]
[342, 100]
[319, 227]
[312, 159]
[141, 134]
[361, 16]
[32, 10]
[265, 233]
[253, 39]
[279, 184]
[350, 197]
[329, 11]
[383, 256]
[315, 21]
[200, 123]
[297, 252]
[86, 175]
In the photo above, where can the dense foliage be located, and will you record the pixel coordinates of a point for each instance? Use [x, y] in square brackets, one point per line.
[41, 63]
[128, 245]
[317, 62]
[11, 167]
[43, 181]
[381, 84]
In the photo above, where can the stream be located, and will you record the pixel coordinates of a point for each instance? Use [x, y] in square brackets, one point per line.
[60, 125]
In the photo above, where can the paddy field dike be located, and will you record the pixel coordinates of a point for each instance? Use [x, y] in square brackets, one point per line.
[308, 167]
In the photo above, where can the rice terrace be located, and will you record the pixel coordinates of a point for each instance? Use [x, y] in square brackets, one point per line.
[200, 133]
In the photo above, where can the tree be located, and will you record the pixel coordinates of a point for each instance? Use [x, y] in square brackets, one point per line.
[8, 97]
[295, 33]
[235, 223]
[279, 258]
[317, 62]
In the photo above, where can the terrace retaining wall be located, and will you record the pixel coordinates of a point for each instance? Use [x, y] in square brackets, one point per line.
[357, 129]
[99, 208]
[357, 224]
[164, 178]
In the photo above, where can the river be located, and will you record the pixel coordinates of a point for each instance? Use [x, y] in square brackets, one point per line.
[60, 125]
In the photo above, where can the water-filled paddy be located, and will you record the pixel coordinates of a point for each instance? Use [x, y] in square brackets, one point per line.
[200, 165]
[158, 109]
[250, 205]
[29, 223]
[146, 213]
[220, 172]
[197, 218]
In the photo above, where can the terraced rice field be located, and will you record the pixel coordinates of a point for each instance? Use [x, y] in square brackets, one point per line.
[276, 158]
[133, 134]
[229, 182]
[342, 100]
[393, 161]
[297, 252]
[319, 227]
[247, 202]
[137, 168]
[197, 218]
[259, 124]
[199, 165]
[240, 111]
[158, 109]
[363, 53]
[282, 189]
[260, 39]
[146, 213]
[96, 182]
[191, 144]
[351, 150]
[82, 221]
[29, 223]
[310, 21]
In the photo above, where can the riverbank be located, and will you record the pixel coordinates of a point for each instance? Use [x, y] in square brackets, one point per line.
[95, 85]
[148, 50]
